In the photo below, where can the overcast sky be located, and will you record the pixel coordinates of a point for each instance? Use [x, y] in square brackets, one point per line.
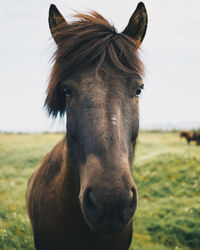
[170, 51]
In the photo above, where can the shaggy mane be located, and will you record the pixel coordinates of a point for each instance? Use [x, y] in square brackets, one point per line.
[90, 40]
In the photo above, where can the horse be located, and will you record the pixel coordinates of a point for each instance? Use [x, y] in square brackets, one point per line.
[196, 136]
[82, 195]
[191, 136]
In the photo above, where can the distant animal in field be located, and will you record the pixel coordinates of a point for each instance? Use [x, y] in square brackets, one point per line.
[187, 135]
[82, 195]
[196, 136]
[191, 136]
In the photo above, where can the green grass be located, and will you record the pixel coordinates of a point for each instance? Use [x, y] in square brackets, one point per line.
[19, 155]
[167, 174]
[166, 171]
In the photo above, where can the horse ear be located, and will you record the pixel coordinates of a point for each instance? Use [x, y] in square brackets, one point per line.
[55, 19]
[137, 25]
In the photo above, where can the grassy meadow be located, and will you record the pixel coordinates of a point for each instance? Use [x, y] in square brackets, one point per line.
[166, 171]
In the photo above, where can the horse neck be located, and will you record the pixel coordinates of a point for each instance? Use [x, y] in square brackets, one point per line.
[67, 180]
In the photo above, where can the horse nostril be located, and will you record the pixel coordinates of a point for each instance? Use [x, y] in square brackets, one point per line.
[133, 197]
[89, 201]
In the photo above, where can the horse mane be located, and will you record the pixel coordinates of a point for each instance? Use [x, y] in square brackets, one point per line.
[89, 40]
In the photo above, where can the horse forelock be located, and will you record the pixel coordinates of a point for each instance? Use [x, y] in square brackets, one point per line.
[88, 41]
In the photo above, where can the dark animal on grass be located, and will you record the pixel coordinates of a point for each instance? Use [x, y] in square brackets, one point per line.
[187, 135]
[82, 195]
[196, 136]
[191, 136]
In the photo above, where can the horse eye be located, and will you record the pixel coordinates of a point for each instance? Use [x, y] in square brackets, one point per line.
[68, 92]
[139, 90]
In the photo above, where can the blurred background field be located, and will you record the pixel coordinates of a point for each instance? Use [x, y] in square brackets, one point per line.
[166, 171]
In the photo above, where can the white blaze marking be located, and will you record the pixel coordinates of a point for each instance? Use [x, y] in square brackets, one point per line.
[114, 120]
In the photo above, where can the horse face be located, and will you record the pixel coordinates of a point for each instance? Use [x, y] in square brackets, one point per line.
[101, 101]
[102, 127]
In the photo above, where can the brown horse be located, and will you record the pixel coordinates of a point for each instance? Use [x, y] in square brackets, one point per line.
[188, 135]
[191, 136]
[82, 195]
[196, 136]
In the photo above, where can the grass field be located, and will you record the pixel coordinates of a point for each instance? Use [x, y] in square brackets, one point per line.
[167, 174]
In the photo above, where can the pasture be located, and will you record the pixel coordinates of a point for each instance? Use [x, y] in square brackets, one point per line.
[166, 171]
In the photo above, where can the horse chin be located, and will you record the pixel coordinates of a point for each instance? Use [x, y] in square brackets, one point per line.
[111, 229]
[106, 227]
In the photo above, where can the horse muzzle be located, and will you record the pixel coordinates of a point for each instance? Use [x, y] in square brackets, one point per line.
[108, 213]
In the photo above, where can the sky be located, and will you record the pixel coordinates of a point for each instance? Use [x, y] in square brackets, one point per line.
[170, 52]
